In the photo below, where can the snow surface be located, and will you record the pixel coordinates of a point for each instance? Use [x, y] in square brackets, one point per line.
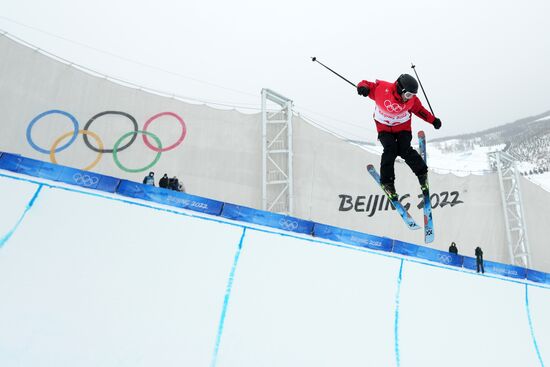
[98, 280]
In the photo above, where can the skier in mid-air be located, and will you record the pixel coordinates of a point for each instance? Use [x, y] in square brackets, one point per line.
[392, 115]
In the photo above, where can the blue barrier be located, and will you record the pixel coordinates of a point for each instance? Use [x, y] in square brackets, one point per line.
[89, 180]
[28, 166]
[469, 263]
[352, 237]
[511, 271]
[50, 171]
[9, 161]
[538, 276]
[54, 172]
[492, 267]
[169, 197]
[442, 257]
[250, 215]
[405, 248]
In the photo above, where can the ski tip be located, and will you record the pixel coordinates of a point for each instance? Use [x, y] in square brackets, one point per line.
[421, 133]
[370, 166]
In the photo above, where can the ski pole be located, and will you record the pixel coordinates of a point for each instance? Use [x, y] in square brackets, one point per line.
[425, 96]
[314, 59]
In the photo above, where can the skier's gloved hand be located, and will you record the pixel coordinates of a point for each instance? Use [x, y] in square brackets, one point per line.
[437, 123]
[364, 91]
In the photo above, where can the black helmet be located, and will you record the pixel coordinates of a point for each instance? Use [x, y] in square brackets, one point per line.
[406, 83]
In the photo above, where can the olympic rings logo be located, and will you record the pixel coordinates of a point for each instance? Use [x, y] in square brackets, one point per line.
[288, 224]
[446, 259]
[392, 107]
[99, 148]
[85, 180]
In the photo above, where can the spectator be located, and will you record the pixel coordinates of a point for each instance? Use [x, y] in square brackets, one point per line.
[479, 259]
[163, 182]
[149, 179]
[453, 249]
[173, 183]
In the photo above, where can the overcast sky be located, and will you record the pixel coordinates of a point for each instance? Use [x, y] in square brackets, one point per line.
[482, 63]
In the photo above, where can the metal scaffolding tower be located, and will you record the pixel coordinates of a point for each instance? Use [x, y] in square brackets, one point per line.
[512, 204]
[277, 154]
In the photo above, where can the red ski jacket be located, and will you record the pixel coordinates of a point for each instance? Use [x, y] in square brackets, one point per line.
[391, 114]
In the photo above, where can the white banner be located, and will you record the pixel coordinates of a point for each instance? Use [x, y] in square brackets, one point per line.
[54, 112]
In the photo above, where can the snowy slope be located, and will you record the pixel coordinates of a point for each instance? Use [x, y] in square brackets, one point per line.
[95, 279]
[474, 161]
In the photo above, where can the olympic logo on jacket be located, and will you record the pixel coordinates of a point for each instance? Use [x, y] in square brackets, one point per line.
[391, 112]
[392, 107]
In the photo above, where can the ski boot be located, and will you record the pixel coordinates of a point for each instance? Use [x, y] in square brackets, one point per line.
[423, 180]
[389, 189]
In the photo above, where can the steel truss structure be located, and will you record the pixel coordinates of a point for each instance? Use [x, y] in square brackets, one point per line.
[277, 153]
[512, 204]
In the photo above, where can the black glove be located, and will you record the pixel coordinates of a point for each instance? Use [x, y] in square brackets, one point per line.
[364, 91]
[436, 123]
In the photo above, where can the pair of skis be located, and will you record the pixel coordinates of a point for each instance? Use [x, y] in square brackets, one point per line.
[409, 221]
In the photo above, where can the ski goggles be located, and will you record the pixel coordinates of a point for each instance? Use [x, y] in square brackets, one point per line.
[408, 95]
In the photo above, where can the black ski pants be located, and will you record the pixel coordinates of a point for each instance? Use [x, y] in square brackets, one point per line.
[479, 264]
[398, 144]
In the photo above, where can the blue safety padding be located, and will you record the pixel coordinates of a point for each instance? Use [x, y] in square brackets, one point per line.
[511, 271]
[169, 197]
[88, 179]
[55, 172]
[10, 162]
[108, 183]
[245, 214]
[28, 166]
[405, 248]
[352, 237]
[469, 263]
[50, 171]
[496, 268]
[443, 257]
[422, 252]
[31, 167]
[538, 276]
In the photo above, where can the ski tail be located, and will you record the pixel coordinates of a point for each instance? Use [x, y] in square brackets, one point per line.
[429, 234]
[409, 221]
